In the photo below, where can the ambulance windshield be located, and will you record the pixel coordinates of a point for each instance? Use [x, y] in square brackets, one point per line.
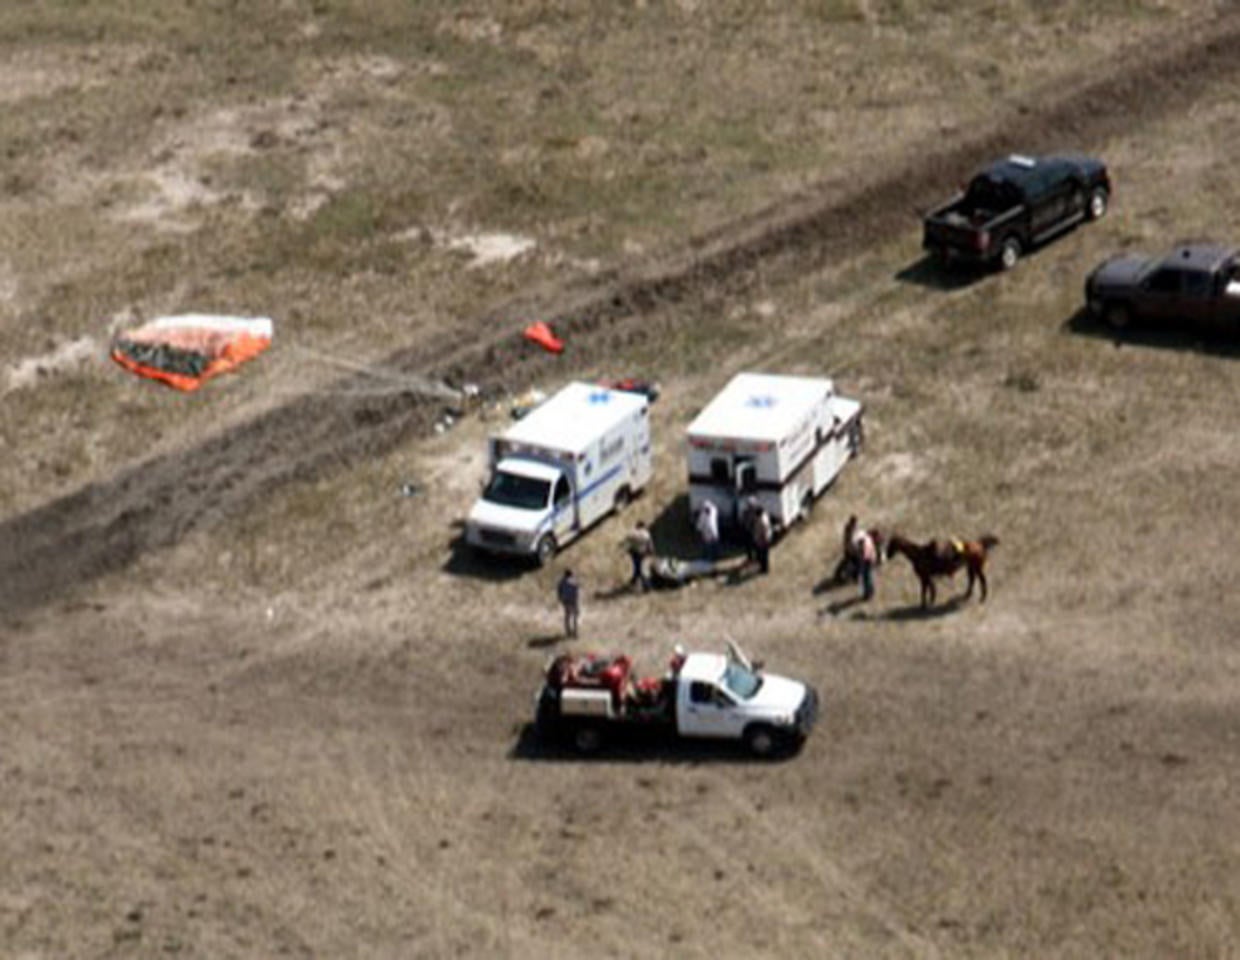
[511, 490]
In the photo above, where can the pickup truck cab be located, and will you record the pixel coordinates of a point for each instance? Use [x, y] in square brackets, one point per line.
[1015, 204]
[1197, 284]
[588, 700]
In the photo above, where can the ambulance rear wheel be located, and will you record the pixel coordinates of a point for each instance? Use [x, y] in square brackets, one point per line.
[545, 550]
[624, 497]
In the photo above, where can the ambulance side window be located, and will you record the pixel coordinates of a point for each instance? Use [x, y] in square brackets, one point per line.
[561, 492]
[719, 470]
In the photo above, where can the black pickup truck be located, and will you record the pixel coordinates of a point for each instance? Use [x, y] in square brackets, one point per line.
[1014, 204]
[1196, 285]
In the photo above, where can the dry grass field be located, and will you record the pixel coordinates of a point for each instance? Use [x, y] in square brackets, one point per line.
[254, 702]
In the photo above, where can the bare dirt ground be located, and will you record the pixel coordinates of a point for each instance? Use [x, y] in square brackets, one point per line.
[255, 702]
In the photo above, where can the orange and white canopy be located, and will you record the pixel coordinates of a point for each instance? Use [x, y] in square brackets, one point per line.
[187, 350]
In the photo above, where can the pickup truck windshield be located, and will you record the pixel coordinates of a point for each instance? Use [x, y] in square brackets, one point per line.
[743, 683]
[510, 490]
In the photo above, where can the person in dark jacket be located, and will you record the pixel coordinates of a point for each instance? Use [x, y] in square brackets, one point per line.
[762, 539]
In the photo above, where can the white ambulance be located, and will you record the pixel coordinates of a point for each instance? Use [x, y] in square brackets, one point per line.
[778, 439]
[564, 466]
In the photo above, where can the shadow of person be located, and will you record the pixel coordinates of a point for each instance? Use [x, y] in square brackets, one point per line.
[544, 640]
[838, 607]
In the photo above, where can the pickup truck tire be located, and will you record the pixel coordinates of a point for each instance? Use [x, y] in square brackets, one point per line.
[587, 739]
[1098, 201]
[761, 740]
[545, 550]
[1117, 316]
[1009, 252]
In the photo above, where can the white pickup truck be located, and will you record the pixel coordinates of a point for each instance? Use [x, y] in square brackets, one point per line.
[587, 700]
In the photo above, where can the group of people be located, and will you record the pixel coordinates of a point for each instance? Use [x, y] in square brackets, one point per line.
[755, 528]
[862, 553]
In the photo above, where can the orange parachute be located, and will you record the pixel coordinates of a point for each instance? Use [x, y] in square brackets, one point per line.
[185, 351]
[541, 334]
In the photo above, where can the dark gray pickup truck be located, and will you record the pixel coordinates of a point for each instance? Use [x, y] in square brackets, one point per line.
[1197, 284]
[1015, 204]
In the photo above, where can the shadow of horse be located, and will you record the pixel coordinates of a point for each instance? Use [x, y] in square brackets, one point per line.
[918, 612]
[944, 558]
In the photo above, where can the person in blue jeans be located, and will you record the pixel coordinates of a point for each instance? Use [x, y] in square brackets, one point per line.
[568, 592]
[866, 552]
[640, 545]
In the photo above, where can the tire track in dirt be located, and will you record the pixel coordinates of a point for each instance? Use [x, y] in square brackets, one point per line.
[104, 527]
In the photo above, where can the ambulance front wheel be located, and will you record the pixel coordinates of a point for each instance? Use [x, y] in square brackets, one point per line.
[545, 550]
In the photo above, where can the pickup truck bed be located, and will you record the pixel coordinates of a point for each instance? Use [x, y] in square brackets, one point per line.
[1015, 204]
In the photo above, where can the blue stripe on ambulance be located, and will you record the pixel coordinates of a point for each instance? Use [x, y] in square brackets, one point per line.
[551, 518]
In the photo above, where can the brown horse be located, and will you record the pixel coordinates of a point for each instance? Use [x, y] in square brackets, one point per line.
[942, 558]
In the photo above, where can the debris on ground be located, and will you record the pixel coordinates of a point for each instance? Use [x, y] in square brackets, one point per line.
[541, 334]
[669, 573]
[187, 350]
[409, 489]
[523, 404]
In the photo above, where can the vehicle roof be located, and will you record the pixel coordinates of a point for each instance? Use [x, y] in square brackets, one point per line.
[575, 417]
[704, 666]
[1019, 168]
[760, 406]
[1206, 257]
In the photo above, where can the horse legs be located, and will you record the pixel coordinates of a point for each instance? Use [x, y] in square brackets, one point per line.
[927, 592]
[981, 576]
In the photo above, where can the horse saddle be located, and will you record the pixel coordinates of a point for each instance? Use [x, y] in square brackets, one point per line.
[947, 551]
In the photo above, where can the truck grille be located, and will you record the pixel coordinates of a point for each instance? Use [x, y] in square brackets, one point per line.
[497, 537]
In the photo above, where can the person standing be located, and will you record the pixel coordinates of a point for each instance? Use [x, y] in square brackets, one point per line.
[708, 529]
[848, 567]
[762, 539]
[568, 592]
[640, 545]
[748, 519]
[865, 550]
